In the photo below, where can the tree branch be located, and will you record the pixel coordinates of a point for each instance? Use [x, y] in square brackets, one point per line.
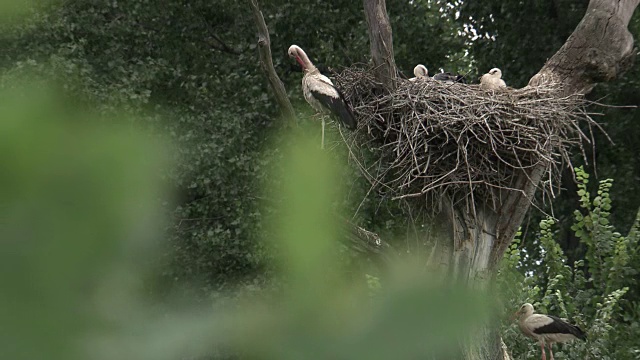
[381, 41]
[512, 212]
[266, 63]
[600, 49]
[367, 242]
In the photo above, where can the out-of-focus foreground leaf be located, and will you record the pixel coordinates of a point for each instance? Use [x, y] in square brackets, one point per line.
[13, 10]
[78, 210]
[76, 197]
[326, 312]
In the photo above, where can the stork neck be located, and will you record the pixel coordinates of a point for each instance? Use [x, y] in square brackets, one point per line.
[311, 70]
[304, 61]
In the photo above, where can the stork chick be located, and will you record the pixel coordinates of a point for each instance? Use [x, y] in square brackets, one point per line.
[320, 92]
[546, 329]
[420, 72]
[492, 80]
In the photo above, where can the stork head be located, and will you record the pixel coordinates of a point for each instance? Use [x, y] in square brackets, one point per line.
[297, 53]
[495, 72]
[420, 71]
[525, 310]
[293, 50]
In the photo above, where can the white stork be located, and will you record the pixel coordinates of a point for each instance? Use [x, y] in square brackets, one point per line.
[320, 92]
[492, 80]
[546, 329]
[420, 71]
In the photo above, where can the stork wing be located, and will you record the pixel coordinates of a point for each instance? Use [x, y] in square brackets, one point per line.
[559, 326]
[331, 98]
[449, 77]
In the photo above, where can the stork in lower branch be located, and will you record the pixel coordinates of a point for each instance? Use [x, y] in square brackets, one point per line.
[320, 92]
[547, 329]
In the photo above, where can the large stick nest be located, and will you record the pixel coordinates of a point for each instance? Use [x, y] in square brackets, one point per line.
[433, 139]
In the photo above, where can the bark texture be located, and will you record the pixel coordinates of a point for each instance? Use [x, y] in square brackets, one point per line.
[381, 41]
[266, 63]
[600, 49]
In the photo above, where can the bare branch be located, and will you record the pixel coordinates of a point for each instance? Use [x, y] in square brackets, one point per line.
[367, 242]
[381, 41]
[266, 62]
[600, 49]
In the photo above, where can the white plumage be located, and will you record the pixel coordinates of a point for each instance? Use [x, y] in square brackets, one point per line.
[492, 80]
[420, 71]
[320, 92]
[546, 329]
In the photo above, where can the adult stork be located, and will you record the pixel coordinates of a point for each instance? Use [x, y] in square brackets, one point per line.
[492, 80]
[420, 72]
[547, 329]
[320, 92]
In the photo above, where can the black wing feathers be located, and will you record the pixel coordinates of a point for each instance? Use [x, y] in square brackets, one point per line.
[338, 106]
[449, 77]
[559, 326]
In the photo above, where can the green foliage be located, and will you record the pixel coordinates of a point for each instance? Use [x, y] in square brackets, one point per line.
[502, 34]
[599, 293]
[324, 312]
[162, 62]
[81, 221]
[190, 71]
[78, 201]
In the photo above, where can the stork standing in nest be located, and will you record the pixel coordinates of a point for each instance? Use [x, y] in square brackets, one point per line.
[320, 92]
[547, 329]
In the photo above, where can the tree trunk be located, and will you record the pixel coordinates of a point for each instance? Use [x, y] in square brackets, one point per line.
[381, 41]
[599, 50]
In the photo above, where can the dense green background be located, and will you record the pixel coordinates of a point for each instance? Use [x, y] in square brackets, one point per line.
[188, 71]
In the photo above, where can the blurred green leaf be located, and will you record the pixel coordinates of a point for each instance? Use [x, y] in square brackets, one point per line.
[76, 195]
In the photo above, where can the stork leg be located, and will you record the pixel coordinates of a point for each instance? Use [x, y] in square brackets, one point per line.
[322, 144]
[544, 356]
[551, 350]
